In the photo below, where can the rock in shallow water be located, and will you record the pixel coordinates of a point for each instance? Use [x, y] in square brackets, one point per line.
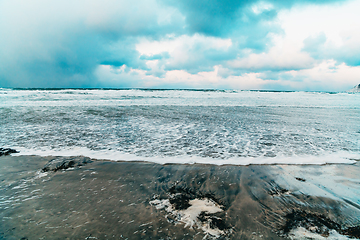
[7, 151]
[355, 89]
[63, 163]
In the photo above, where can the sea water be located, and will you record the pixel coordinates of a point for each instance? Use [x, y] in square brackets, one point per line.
[183, 126]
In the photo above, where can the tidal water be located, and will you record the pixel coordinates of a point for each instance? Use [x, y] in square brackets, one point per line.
[183, 126]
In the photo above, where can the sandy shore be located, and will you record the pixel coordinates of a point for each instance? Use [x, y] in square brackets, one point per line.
[136, 200]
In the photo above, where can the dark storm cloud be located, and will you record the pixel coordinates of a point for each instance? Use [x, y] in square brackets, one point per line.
[62, 43]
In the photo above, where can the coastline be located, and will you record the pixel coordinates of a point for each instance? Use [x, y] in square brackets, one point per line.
[115, 200]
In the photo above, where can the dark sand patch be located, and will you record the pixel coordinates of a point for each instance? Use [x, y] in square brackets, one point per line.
[110, 200]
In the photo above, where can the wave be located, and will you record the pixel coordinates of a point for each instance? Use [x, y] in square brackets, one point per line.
[341, 157]
[177, 89]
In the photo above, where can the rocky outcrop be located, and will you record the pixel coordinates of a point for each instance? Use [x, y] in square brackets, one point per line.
[355, 89]
[7, 151]
[63, 163]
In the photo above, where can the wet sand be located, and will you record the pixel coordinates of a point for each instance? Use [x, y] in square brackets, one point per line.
[117, 200]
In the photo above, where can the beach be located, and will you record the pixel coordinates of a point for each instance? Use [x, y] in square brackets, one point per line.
[98, 199]
[168, 120]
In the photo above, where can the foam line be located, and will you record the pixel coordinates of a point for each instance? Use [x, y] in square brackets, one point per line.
[330, 158]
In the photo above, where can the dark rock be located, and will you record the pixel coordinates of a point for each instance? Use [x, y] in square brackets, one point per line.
[180, 197]
[63, 163]
[7, 151]
[300, 179]
[276, 190]
[316, 223]
[180, 201]
[215, 222]
[352, 232]
[355, 89]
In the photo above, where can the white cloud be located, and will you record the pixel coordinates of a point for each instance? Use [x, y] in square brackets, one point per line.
[297, 69]
[339, 22]
[185, 52]
[115, 77]
[328, 76]
[261, 7]
[181, 45]
[280, 57]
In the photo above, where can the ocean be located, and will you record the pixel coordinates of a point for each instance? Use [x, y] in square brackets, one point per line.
[183, 126]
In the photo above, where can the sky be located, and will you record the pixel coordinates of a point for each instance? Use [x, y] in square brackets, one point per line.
[305, 45]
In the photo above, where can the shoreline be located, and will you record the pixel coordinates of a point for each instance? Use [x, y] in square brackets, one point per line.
[327, 159]
[355, 161]
[104, 198]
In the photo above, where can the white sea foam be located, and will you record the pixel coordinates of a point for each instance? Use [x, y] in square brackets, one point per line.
[334, 158]
[190, 215]
[98, 97]
[40, 174]
[211, 127]
[301, 233]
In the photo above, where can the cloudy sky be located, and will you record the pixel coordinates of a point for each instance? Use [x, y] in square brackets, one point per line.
[243, 44]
